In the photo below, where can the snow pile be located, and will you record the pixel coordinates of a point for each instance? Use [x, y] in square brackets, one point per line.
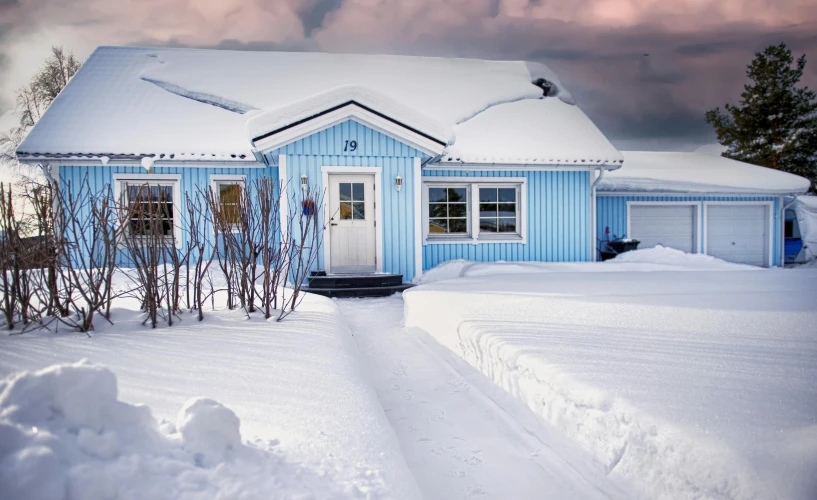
[692, 385]
[65, 435]
[698, 173]
[297, 384]
[658, 258]
[806, 210]
[673, 257]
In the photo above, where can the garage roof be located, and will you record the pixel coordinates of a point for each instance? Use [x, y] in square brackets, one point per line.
[645, 171]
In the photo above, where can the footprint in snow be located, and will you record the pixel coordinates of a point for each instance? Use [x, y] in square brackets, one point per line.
[475, 491]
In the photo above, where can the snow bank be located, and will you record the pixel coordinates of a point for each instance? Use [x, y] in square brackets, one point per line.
[658, 258]
[65, 435]
[691, 385]
[297, 387]
[806, 209]
[697, 173]
[673, 257]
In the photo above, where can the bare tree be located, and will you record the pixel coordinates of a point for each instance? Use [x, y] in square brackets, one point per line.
[34, 98]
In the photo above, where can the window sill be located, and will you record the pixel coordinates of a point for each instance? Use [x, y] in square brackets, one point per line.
[475, 241]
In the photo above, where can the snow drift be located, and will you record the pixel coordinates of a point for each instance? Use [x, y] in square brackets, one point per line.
[65, 435]
[692, 385]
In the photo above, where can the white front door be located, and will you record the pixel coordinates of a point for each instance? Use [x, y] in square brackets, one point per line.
[352, 223]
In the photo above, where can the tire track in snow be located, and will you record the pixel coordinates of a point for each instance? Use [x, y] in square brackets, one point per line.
[462, 436]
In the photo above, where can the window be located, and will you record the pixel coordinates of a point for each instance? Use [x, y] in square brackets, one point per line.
[229, 189]
[475, 210]
[151, 209]
[447, 210]
[497, 210]
[155, 201]
[352, 201]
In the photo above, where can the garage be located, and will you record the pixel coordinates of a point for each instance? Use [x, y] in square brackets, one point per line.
[666, 224]
[738, 233]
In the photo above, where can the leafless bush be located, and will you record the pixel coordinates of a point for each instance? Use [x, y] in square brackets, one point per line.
[303, 243]
[90, 234]
[199, 245]
[148, 221]
[271, 249]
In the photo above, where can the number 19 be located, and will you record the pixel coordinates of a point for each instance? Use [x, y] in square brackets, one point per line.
[350, 145]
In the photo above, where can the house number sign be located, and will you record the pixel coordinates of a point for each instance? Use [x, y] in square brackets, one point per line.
[350, 145]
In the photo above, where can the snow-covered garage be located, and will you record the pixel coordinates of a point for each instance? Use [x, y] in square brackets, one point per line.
[697, 203]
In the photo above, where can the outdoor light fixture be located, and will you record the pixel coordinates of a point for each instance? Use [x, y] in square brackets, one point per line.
[304, 180]
[398, 182]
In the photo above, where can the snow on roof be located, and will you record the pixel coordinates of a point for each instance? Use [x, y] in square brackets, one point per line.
[276, 119]
[542, 131]
[697, 173]
[153, 101]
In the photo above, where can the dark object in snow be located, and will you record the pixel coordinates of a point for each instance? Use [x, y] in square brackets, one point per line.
[623, 245]
[545, 85]
[356, 285]
[610, 249]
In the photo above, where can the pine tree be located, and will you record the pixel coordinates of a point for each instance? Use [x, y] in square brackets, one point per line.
[775, 122]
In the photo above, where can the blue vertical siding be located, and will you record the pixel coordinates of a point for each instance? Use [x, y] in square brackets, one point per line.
[192, 179]
[331, 148]
[558, 220]
[611, 212]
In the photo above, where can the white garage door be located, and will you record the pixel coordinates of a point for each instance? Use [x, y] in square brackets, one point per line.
[671, 226]
[738, 233]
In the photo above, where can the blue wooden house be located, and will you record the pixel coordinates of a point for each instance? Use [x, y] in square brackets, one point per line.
[422, 160]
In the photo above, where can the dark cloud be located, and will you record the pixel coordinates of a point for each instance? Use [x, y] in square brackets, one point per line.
[313, 17]
[696, 59]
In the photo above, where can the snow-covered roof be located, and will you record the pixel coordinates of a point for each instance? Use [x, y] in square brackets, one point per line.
[190, 103]
[697, 173]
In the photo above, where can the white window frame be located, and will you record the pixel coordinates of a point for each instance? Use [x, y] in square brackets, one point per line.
[174, 180]
[473, 184]
[217, 179]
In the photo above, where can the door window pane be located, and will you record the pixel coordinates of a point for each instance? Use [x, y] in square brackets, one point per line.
[352, 200]
[498, 210]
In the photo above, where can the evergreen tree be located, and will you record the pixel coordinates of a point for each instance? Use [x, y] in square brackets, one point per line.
[775, 122]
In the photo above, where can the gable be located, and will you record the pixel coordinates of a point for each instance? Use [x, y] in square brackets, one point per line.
[349, 138]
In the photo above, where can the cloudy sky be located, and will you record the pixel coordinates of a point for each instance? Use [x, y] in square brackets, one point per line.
[644, 70]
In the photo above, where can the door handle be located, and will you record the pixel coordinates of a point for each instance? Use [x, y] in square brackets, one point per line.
[333, 223]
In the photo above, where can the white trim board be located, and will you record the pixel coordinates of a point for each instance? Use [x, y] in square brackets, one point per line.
[658, 194]
[418, 218]
[351, 112]
[326, 171]
[522, 167]
[96, 162]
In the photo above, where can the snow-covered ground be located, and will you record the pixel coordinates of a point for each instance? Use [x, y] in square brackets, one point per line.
[308, 413]
[462, 436]
[692, 384]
